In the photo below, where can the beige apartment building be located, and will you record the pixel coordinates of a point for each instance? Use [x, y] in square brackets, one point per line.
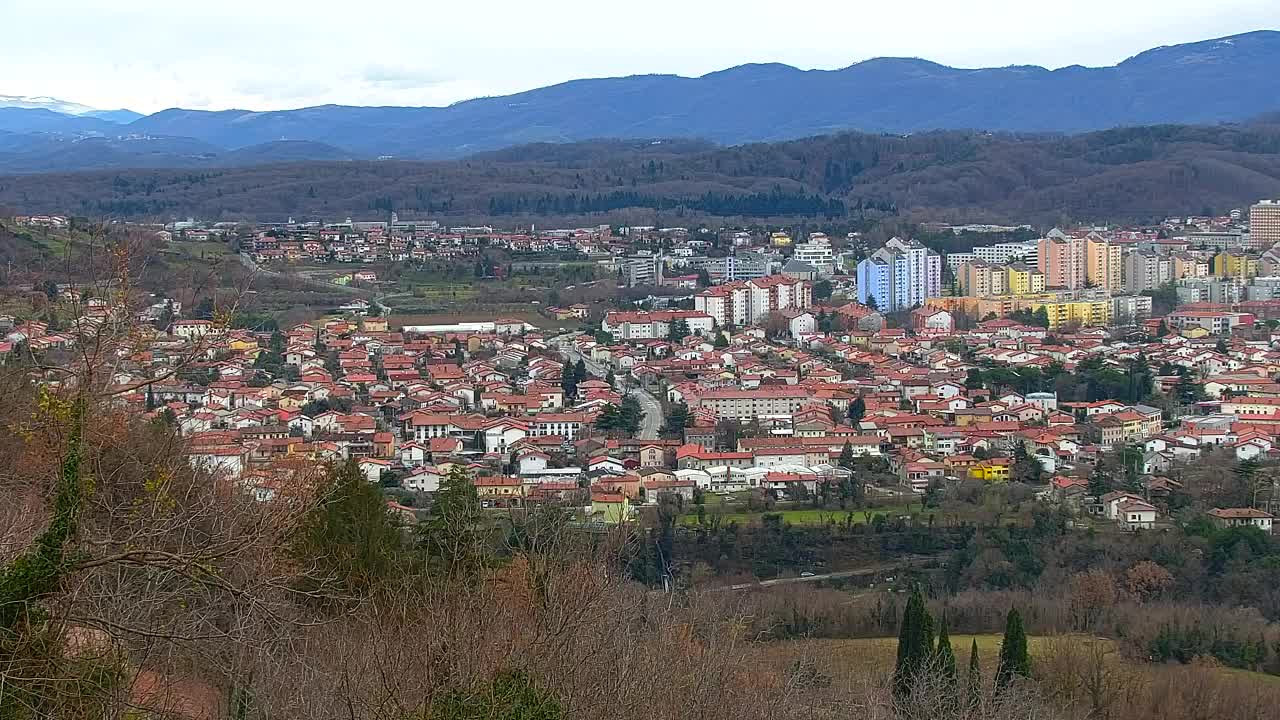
[1264, 224]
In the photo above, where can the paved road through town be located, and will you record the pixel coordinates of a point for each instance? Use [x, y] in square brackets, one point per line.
[652, 419]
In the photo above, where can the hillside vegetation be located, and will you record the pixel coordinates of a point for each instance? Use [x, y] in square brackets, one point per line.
[1123, 174]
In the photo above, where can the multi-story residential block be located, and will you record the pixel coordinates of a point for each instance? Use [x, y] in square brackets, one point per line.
[1186, 265]
[1103, 264]
[899, 276]
[1023, 279]
[980, 279]
[642, 270]
[740, 404]
[1146, 270]
[1062, 259]
[744, 303]
[1085, 313]
[1130, 309]
[1005, 253]
[1264, 224]
[1235, 264]
[816, 252]
[1215, 321]
[1208, 289]
[743, 265]
[1263, 288]
[655, 324]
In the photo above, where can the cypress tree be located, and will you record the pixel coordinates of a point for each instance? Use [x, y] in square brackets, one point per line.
[975, 676]
[926, 645]
[1014, 660]
[944, 656]
[915, 644]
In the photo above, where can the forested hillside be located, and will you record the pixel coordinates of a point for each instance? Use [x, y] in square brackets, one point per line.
[1133, 173]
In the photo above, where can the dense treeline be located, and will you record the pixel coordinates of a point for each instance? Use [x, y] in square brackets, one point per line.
[1130, 173]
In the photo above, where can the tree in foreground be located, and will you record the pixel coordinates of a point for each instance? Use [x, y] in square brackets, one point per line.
[975, 676]
[944, 655]
[915, 644]
[454, 536]
[348, 543]
[510, 695]
[1015, 662]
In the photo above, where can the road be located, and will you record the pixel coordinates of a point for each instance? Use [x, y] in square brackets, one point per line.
[651, 421]
[861, 572]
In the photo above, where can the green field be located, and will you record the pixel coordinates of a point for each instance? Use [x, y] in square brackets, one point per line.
[797, 517]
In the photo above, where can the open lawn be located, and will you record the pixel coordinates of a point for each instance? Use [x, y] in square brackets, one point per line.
[798, 517]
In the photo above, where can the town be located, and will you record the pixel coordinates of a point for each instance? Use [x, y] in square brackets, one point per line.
[760, 371]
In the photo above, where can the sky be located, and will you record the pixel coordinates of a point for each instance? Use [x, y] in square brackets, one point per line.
[148, 55]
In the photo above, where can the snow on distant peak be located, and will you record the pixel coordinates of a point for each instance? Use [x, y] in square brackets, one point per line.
[45, 103]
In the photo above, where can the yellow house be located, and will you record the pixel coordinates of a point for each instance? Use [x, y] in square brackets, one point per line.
[780, 239]
[611, 507]
[1193, 332]
[993, 470]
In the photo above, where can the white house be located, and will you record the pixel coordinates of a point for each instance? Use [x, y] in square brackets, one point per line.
[1239, 517]
[1136, 515]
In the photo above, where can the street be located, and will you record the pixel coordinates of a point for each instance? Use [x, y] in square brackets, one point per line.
[652, 409]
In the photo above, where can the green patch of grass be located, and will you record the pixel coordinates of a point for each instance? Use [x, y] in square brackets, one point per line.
[799, 517]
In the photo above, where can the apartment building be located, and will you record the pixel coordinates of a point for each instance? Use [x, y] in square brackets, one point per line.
[1023, 279]
[1130, 309]
[980, 279]
[1005, 253]
[1238, 265]
[739, 404]
[654, 325]
[1062, 259]
[642, 270]
[1264, 224]
[1208, 289]
[816, 252]
[745, 303]
[899, 276]
[1146, 270]
[1103, 264]
[1085, 313]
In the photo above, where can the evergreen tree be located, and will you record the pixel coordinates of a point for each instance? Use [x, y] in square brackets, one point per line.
[1014, 660]
[349, 542]
[1099, 481]
[944, 656]
[568, 380]
[914, 644]
[678, 330]
[721, 342]
[454, 534]
[857, 409]
[579, 371]
[510, 695]
[846, 456]
[151, 399]
[975, 676]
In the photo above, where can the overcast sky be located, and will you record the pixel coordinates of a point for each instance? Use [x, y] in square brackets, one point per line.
[148, 55]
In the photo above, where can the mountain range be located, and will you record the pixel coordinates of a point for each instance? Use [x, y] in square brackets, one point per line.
[1229, 79]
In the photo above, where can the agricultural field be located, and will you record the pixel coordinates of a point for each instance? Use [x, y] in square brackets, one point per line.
[515, 312]
[742, 516]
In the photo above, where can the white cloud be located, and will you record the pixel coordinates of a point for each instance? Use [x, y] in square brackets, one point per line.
[272, 54]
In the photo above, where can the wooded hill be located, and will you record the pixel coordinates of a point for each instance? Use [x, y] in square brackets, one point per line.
[1124, 174]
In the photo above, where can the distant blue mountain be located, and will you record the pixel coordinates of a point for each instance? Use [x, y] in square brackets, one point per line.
[1224, 80]
[1228, 79]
